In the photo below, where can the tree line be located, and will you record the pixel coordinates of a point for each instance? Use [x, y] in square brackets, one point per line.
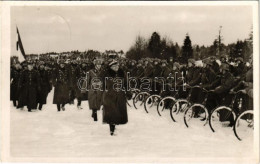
[164, 48]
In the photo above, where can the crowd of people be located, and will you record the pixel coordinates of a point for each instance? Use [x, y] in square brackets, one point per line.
[32, 81]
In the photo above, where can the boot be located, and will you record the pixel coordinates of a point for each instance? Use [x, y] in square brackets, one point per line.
[95, 115]
[40, 107]
[14, 102]
[58, 107]
[112, 129]
[63, 107]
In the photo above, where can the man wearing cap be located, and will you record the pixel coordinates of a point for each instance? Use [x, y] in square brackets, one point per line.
[72, 80]
[114, 97]
[221, 87]
[45, 82]
[95, 88]
[148, 70]
[81, 73]
[61, 84]
[29, 85]
[240, 70]
[208, 74]
[193, 76]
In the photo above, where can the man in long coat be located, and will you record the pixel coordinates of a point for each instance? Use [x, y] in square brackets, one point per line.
[114, 98]
[61, 84]
[45, 83]
[15, 75]
[29, 85]
[95, 88]
[81, 73]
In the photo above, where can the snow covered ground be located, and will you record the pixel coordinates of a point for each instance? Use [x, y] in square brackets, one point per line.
[73, 133]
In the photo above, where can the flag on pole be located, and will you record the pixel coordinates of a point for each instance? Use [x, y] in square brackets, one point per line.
[19, 47]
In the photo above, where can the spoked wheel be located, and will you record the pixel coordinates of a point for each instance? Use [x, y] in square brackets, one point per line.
[195, 115]
[139, 99]
[221, 117]
[244, 125]
[151, 103]
[178, 109]
[135, 92]
[165, 103]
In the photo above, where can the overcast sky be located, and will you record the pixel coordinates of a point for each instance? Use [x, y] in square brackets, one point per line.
[45, 29]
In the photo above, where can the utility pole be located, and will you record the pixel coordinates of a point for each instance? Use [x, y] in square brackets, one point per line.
[219, 42]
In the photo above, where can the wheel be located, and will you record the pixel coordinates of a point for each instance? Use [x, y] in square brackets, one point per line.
[220, 118]
[197, 114]
[151, 102]
[135, 92]
[165, 103]
[244, 125]
[178, 109]
[139, 99]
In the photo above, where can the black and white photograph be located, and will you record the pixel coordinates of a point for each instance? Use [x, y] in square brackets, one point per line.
[130, 82]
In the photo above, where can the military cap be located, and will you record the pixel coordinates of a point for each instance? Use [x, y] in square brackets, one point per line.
[240, 59]
[207, 61]
[223, 56]
[113, 62]
[133, 61]
[164, 61]
[156, 60]
[191, 61]
[176, 64]
[97, 61]
[224, 66]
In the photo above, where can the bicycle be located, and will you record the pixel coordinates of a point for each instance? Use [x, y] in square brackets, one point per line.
[221, 115]
[244, 125]
[197, 112]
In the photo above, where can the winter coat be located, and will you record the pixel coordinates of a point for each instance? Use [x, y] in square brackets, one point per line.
[15, 75]
[148, 70]
[114, 101]
[94, 95]
[193, 76]
[45, 86]
[29, 85]
[80, 74]
[226, 83]
[61, 84]
[207, 77]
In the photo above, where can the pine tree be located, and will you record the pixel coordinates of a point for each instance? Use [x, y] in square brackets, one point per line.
[187, 51]
[154, 45]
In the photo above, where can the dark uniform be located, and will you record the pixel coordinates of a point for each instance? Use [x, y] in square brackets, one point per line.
[61, 84]
[114, 101]
[29, 85]
[81, 72]
[14, 93]
[94, 90]
[45, 83]
[72, 81]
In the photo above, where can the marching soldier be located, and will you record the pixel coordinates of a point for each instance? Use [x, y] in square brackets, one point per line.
[72, 80]
[94, 85]
[114, 99]
[61, 84]
[81, 72]
[45, 83]
[29, 85]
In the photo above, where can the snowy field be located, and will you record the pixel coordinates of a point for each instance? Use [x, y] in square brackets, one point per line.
[73, 133]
